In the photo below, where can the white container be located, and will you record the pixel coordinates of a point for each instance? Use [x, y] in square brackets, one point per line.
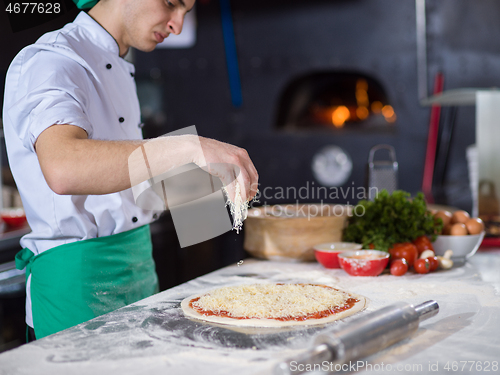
[463, 247]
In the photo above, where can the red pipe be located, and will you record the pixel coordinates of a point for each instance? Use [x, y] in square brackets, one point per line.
[430, 155]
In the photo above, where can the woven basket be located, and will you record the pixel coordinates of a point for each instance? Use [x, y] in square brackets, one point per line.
[289, 232]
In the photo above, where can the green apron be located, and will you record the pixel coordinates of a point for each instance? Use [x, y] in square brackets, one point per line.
[79, 281]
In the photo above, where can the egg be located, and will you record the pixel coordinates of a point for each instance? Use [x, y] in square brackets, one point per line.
[458, 229]
[445, 216]
[474, 225]
[446, 229]
[460, 217]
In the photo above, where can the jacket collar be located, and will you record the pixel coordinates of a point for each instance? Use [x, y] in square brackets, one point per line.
[99, 35]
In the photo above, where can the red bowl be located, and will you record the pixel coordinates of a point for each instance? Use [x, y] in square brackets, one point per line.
[364, 262]
[14, 217]
[327, 253]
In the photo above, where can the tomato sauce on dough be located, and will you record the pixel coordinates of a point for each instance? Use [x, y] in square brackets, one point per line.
[349, 303]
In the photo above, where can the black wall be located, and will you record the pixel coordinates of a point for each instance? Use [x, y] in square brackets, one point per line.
[278, 41]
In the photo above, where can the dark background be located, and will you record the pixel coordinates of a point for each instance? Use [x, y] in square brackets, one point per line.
[278, 42]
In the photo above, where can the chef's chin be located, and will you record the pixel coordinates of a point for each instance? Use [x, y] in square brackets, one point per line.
[147, 47]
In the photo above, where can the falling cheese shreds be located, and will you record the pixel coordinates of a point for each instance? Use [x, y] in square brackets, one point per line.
[238, 208]
[272, 300]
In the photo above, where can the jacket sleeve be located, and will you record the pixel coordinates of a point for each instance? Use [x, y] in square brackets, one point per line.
[47, 89]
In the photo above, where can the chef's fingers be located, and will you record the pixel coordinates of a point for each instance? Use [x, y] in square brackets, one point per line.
[228, 174]
[253, 179]
[230, 163]
[247, 178]
[231, 178]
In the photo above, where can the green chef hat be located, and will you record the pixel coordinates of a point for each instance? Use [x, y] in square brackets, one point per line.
[85, 4]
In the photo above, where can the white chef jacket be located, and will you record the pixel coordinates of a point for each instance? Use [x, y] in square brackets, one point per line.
[70, 76]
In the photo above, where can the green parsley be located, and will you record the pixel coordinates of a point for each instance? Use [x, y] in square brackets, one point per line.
[390, 219]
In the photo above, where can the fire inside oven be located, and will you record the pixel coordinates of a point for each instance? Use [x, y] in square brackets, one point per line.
[335, 100]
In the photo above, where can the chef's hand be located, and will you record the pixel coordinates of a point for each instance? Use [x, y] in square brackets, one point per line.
[229, 163]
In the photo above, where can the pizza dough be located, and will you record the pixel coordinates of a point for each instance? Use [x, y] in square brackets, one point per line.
[273, 305]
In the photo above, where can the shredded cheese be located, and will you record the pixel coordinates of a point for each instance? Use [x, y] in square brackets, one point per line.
[272, 300]
[238, 208]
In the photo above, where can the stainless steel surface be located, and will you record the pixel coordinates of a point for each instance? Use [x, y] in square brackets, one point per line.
[363, 336]
[332, 166]
[10, 237]
[427, 310]
[152, 336]
[453, 97]
[421, 49]
[12, 280]
[382, 173]
[371, 333]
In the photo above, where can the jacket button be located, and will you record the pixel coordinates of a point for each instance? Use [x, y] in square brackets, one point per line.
[134, 219]
[131, 74]
[121, 119]
[108, 66]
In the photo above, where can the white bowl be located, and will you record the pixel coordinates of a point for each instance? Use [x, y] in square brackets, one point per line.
[338, 246]
[463, 247]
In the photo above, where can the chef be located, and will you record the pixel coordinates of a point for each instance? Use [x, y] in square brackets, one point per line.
[71, 121]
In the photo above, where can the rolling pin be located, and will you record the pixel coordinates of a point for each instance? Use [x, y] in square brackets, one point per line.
[361, 337]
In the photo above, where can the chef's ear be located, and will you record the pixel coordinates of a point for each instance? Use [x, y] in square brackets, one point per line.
[85, 4]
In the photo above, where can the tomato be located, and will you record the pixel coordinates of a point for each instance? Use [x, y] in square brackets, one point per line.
[422, 266]
[433, 263]
[423, 243]
[405, 250]
[399, 267]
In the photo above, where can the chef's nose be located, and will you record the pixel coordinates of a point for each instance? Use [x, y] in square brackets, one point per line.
[175, 23]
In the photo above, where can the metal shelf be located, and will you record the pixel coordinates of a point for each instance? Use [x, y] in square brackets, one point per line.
[455, 97]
